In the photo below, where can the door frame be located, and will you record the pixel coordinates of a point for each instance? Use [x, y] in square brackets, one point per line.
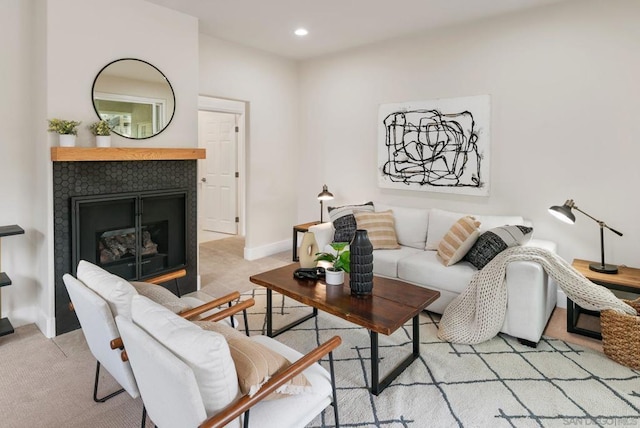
[221, 105]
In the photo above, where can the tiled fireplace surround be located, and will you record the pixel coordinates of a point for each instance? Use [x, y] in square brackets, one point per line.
[86, 178]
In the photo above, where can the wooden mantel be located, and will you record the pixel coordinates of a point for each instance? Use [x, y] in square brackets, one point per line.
[84, 154]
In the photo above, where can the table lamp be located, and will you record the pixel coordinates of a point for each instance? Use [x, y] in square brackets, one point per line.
[325, 195]
[564, 213]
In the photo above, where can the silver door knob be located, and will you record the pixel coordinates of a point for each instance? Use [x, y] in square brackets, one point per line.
[203, 179]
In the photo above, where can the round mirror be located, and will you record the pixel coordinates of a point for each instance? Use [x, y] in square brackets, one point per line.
[134, 97]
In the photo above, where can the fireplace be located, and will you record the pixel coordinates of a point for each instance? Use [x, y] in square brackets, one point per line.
[140, 186]
[132, 235]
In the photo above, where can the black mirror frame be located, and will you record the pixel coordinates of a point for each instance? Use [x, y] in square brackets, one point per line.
[173, 93]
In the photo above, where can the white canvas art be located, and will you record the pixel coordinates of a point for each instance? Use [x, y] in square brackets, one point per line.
[440, 145]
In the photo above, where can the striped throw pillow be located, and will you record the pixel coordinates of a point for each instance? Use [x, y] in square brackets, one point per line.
[380, 227]
[458, 240]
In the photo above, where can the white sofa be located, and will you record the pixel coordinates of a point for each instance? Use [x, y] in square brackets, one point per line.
[531, 293]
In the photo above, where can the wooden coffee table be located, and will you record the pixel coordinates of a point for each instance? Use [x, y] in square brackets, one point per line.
[391, 305]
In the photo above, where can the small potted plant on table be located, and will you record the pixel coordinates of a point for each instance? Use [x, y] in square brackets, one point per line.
[102, 131]
[66, 129]
[340, 263]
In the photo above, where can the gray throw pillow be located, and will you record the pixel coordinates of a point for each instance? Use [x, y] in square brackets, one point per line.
[496, 240]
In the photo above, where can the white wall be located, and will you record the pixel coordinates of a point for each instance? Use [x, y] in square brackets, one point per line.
[268, 84]
[18, 172]
[83, 37]
[57, 47]
[564, 91]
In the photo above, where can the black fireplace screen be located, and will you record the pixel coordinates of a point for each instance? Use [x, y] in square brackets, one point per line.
[131, 235]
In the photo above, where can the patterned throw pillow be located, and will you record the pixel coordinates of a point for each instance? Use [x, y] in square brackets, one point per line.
[344, 222]
[380, 227]
[494, 241]
[458, 240]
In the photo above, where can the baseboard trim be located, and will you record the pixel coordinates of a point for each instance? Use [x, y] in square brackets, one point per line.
[46, 325]
[266, 250]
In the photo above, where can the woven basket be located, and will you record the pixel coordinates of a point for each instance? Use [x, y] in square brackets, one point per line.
[621, 335]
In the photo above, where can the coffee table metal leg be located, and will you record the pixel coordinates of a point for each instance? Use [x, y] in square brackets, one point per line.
[289, 326]
[377, 386]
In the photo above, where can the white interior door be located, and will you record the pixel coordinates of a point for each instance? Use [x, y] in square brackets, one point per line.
[218, 134]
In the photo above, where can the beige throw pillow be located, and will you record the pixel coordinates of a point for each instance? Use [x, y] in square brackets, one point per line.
[380, 227]
[255, 363]
[458, 240]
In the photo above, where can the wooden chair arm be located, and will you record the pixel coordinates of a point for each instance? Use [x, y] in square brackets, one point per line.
[167, 277]
[237, 408]
[191, 313]
[238, 307]
[117, 342]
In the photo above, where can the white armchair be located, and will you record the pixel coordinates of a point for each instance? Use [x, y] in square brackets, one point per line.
[95, 313]
[187, 377]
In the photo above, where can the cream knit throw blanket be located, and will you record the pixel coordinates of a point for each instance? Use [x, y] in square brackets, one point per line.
[477, 314]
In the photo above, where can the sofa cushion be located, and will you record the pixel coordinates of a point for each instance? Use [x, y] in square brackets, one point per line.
[441, 220]
[424, 268]
[115, 290]
[458, 240]
[385, 263]
[206, 352]
[488, 222]
[344, 222]
[380, 227]
[411, 224]
[494, 241]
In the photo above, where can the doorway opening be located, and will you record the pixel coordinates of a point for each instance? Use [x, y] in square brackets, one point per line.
[221, 190]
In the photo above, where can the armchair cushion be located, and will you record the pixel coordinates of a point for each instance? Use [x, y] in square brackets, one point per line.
[115, 290]
[205, 352]
[256, 363]
[161, 295]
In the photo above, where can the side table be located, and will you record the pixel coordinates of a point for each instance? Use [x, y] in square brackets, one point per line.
[300, 228]
[626, 280]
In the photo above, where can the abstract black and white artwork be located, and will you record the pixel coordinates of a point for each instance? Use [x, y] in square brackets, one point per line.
[437, 146]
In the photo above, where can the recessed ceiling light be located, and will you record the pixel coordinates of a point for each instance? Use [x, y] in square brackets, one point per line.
[301, 32]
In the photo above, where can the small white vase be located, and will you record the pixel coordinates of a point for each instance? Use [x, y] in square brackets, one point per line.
[67, 140]
[334, 277]
[103, 140]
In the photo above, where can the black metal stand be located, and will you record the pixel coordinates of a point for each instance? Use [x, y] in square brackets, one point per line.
[95, 388]
[603, 267]
[289, 326]
[377, 386]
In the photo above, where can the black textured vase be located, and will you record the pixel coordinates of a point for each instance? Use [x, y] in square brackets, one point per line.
[361, 260]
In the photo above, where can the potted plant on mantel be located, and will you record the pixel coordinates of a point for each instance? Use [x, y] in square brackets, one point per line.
[102, 131]
[340, 263]
[66, 129]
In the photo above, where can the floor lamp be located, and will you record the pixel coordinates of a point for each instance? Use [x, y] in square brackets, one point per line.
[564, 213]
[325, 195]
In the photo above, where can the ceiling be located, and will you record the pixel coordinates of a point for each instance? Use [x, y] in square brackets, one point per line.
[334, 25]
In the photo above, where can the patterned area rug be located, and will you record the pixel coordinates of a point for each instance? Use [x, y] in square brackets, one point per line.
[498, 383]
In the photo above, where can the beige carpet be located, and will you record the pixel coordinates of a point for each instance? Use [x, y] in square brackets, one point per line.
[49, 382]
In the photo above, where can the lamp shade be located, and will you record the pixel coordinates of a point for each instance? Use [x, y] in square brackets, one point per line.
[563, 212]
[325, 195]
